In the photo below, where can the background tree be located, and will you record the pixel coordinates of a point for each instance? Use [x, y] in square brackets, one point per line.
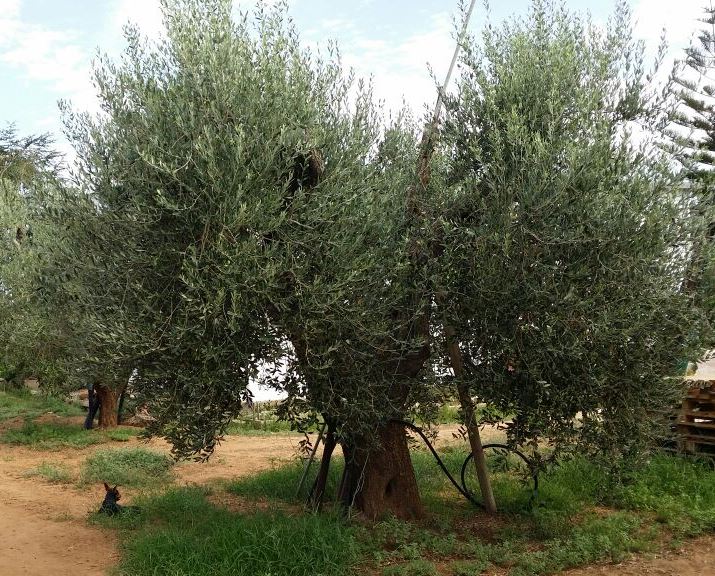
[44, 328]
[691, 137]
[34, 339]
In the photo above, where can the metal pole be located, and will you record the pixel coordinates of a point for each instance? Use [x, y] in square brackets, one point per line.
[460, 39]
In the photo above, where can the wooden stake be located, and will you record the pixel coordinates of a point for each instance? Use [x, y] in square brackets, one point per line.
[465, 399]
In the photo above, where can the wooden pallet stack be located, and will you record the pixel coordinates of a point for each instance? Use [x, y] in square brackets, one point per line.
[696, 420]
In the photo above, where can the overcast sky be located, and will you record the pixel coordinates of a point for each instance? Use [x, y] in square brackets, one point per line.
[46, 46]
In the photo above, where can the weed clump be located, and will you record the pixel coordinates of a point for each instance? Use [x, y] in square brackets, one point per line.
[137, 467]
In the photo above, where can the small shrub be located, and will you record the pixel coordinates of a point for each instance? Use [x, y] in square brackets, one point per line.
[53, 473]
[127, 467]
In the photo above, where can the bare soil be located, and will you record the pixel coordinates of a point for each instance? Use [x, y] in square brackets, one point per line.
[695, 558]
[44, 529]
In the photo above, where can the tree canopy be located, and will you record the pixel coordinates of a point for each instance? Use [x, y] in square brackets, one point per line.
[247, 211]
[36, 336]
[242, 210]
[560, 232]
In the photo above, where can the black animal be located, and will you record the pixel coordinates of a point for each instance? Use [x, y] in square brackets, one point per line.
[109, 504]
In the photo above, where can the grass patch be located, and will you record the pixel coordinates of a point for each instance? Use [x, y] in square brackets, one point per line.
[21, 403]
[680, 492]
[411, 568]
[137, 467]
[595, 539]
[183, 534]
[121, 434]
[51, 436]
[52, 473]
[280, 482]
[580, 517]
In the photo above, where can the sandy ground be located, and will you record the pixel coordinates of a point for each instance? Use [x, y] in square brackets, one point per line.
[44, 529]
[696, 558]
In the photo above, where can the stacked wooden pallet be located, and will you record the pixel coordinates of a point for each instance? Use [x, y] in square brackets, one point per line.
[696, 420]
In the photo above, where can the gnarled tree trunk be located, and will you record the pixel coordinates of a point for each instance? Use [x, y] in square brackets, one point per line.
[109, 404]
[381, 480]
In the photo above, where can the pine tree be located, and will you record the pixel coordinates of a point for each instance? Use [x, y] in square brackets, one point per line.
[692, 131]
[693, 122]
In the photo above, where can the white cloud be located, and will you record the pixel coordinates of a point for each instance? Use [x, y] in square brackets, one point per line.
[400, 70]
[9, 14]
[145, 14]
[54, 59]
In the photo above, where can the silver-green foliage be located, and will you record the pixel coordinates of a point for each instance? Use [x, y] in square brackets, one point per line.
[212, 256]
[209, 251]
[565, 232]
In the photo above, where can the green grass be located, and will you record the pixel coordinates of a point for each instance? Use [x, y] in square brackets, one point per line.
[137, 467]
[51, 436]
[21, 403]
[121, 434]
[249, 427]
[411, 568]
[52, 473]
[181, 533]
[280, 482]
[680, 493]
[580, 517]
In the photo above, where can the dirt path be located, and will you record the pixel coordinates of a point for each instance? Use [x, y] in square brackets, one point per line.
[696, 558]
[44, 530]
[43, 527]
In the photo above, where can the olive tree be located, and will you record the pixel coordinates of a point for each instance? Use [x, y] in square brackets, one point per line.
[246, 213]
[562, 233]
[244, 210]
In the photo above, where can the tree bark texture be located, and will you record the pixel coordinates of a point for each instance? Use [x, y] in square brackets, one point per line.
[108, 408]
[381, 481]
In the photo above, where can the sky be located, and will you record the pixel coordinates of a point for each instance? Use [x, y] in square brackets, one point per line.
[47, 46]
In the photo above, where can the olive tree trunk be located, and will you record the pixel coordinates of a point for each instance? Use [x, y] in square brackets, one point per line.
[381, 480]
[109, 405]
